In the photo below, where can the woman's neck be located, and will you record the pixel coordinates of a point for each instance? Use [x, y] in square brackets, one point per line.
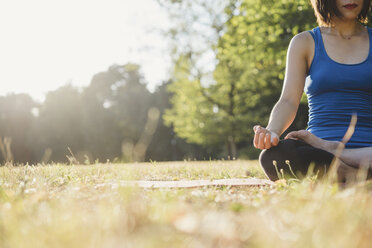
[346, 29]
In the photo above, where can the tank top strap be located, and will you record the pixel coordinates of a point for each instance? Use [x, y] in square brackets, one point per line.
[370, 42]
[317, 36]
[315, 33]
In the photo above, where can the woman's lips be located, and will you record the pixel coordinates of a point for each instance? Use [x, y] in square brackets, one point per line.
[351, 6]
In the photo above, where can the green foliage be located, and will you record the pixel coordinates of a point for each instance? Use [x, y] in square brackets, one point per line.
[192, 117]
[166, 145]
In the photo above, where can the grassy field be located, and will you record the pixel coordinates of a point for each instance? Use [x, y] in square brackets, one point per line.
[80, 206]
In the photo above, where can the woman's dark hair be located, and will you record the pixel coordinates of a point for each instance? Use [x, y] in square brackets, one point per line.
[326, 9]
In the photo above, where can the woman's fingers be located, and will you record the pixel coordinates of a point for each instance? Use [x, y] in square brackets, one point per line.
[275, 141]
[259, 137]
[256, 139]
[301, 134]
[256, 127]
[263, 138]
[291, 135]
[261, 141]
[267, 141]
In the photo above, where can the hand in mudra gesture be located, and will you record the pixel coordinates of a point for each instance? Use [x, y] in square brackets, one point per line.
[264, 138]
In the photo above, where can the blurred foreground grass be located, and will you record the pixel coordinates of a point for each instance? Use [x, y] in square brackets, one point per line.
[62, 206]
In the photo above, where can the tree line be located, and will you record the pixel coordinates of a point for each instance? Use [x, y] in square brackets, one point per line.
[115, 118]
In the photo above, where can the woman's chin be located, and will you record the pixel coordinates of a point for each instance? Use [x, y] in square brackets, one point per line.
[349, 17]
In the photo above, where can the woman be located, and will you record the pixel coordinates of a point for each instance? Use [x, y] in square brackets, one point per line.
[333, 64]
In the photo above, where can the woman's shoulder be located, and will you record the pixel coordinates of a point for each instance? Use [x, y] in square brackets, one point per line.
[302, 42]
[304, 38]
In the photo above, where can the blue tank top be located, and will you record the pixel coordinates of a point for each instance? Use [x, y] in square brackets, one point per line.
[335, 91]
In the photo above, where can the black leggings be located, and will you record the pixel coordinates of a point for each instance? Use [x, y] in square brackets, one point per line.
[294, 157]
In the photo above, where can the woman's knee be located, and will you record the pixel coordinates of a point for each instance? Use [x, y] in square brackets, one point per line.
[266, 160]
[274, 161]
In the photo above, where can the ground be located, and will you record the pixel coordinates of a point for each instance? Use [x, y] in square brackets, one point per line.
[85, 206]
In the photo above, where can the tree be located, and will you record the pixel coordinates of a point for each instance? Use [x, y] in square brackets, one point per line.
[116, 106]
[59, 125]
[193, 118]
[166, 145]
[16, 125]
[197, 28]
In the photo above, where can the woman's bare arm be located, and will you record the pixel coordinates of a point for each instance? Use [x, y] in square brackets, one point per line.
[284, 111]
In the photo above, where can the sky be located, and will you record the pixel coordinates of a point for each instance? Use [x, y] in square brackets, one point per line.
[46, 44]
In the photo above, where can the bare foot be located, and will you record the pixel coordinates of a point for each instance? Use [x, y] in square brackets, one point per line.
[311, 139]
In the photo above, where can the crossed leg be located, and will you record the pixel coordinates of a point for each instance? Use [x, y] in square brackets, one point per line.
[294, 158]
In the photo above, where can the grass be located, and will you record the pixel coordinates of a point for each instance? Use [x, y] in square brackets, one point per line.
[62, 206]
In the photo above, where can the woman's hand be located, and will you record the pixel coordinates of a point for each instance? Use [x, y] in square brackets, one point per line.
[264, 138]
[311, 139]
